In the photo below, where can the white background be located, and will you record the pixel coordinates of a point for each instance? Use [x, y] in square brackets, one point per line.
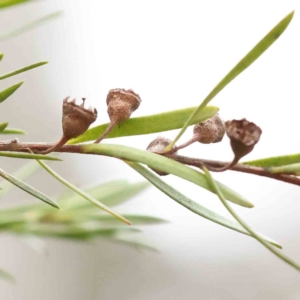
[172, 53]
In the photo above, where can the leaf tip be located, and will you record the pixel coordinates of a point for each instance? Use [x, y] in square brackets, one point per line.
[1, 56]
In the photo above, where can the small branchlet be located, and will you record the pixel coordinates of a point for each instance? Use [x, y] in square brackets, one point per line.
[120, 105]
[76, 119]
[157, 146]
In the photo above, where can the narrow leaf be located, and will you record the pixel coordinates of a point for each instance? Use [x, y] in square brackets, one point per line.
[3, 126]
[257, 236]
[5, 275]
[242, 65]
[9, 3]
[27, 188]
[133, 244]
[82, 193]
[28, 155]
[9, 91]
[291, 169]
[23, 70]
[275, 161]
[22, 174]
[29, 26]
[1, 56]
[13, 131]
[148, 124]
[190, 204]
[164, 164]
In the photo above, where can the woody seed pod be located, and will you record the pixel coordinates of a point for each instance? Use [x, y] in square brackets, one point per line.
[157, 146]
[76, 119]
[243, 135]
[120, 105]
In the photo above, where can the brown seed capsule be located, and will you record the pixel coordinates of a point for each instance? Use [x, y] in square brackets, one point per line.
[243, 135]
[210, 131]
[76, 119]
[157, 146]
[120, 105]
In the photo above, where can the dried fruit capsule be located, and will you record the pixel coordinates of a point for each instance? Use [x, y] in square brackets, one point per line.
[76, 119]
[157, 146]
[120, 105]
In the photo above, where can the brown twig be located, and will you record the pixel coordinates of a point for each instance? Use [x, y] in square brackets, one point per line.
[15, 146]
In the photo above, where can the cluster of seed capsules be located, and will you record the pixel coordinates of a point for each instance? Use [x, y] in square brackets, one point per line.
[121, 103]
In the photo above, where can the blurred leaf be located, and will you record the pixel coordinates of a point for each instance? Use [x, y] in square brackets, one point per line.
[82, 193]
[257, 236]
[9, 91]
[275, 161]
[133, 244]
[8, 3]
[22, 174]
[35, 243]
[242, 65]
[22, 70]
[29, 26]
[13, 131]
[1, 56]
[165, 164]
[28, 155]
[25, 187]
[115, 195]
[6, 276]
[108, 220]
[148, 124]
[291, 169]
[3, 126]
[190, 204]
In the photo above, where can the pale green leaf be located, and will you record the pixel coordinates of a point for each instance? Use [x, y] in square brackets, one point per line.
[291, 169]
[148, 124]
[190, 204]
[164, 164]
[82, 193]
[3, 126]
[12, 131]
[24, 155]
[9, 3]
[27, 188]
[242, 65]
[5, 275]
[4, 76]
[257, 236]
[29, 26]
[9, 91]
[133, 244]
[275, 161]
[22, 174]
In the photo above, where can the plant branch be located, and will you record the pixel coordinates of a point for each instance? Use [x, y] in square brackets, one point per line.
[14, 145]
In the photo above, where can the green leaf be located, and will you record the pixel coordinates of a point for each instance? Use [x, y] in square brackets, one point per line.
[190, 204]
[29, 26]
[22, 70]
[22, 174]
[291, 169]
[275, 161]
[5, 275]
[13, 131]
[28, 155]
[1, 56]
[164, 164]
[133, 244]
[9, 91]
[82, 193]
[242, 65]
[8, 3]
[111, 194]
[148, 124]
[27, 188]
[257, 236]
[3, 126]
